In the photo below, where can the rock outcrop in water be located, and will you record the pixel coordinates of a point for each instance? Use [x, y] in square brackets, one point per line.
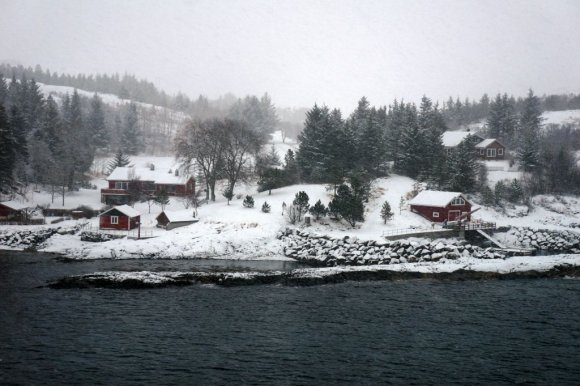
[31, 239]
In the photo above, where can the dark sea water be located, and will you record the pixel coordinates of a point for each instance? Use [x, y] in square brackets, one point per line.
[405, 332]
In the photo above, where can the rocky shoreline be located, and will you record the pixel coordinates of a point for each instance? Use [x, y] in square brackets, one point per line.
[324, 251]
[298, 277]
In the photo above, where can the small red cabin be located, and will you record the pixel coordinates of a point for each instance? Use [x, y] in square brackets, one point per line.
[437, 206]
[12, 210]
[121, 217]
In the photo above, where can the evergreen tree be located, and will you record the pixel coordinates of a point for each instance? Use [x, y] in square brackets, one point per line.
[348, 205]
[266, 207]
[131, 137]
[248, 202]
[318, 210]
[3, 90]
[500, 191]
[290, 168]
[119, 160]
[312, 155]
[386, 213]
[96, 123]
[502, 120]
[528, 151]
[301, 203]
[463, 167]
[7, 152]
[410, 160]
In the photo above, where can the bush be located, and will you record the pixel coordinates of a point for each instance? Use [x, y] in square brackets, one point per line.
[301, 203]
[248, 202]
[266, 207]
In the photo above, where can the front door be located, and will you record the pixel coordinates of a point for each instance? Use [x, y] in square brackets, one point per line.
[453, 215]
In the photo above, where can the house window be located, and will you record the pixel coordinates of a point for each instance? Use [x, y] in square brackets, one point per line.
[500, 151]
[490, 153]
[121, 185]
[458, 201]
[435, 214]
[114, 219]
[481, 151]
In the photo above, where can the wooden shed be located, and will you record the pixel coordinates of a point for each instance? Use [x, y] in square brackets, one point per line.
[13, 210]
[174, 219]
[439, 206]
[121, 217]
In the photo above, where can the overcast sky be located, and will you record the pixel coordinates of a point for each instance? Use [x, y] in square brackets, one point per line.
[301, 52]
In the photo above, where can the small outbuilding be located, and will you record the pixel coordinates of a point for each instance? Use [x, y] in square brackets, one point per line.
[121, 217]
[13, 211]
[439, 206]
[169, 220]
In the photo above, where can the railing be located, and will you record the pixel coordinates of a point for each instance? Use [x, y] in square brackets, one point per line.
[405, 231]
[131, 234]
[471, 226]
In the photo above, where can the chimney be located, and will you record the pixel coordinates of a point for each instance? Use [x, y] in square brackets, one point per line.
[176, 173]
[151, 167]
[169, 171]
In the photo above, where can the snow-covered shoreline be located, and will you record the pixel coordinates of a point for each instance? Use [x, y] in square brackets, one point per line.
[466, 269]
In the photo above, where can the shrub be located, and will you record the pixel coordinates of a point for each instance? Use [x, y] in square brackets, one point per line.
[266, 207]
[248, 202]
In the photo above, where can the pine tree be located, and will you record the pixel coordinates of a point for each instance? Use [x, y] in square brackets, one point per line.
[248, 202]
[119, 160]
[463, 167]
[411, 146]
[7, 154]
[266, 207]
[290, 168]
[386, 213]
[3, 90]
[528, 152]
[96, 123]
[312, 155]
[348, 205]
[318, 210]
[131, 138]
[301, 203]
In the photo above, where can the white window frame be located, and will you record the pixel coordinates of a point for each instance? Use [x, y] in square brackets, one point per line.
[458, 201]
[481, 151]
[121, 185]
[435, 214]
[115, 220]
[490, 153]
[500, 151]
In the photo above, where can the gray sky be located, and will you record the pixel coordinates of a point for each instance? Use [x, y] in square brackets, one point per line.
[302, 52]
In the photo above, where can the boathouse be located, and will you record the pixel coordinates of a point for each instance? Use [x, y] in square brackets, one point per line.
[439, 206]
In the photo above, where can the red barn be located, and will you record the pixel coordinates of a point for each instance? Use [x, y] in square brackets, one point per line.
[440, 206]
[121, 217]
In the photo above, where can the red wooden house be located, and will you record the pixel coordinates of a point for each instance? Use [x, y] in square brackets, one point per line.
[437, 206]
[12, 210]
[148, 181]
[490, 149]
[121, 217]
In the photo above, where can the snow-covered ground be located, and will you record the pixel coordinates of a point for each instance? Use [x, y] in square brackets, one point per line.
[232, 231]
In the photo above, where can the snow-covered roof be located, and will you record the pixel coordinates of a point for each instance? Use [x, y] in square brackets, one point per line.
[179, 215]
[14, 205]
[486, 142]
[146, 174]
[435, 198]
[125, 209]
[454, 138]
